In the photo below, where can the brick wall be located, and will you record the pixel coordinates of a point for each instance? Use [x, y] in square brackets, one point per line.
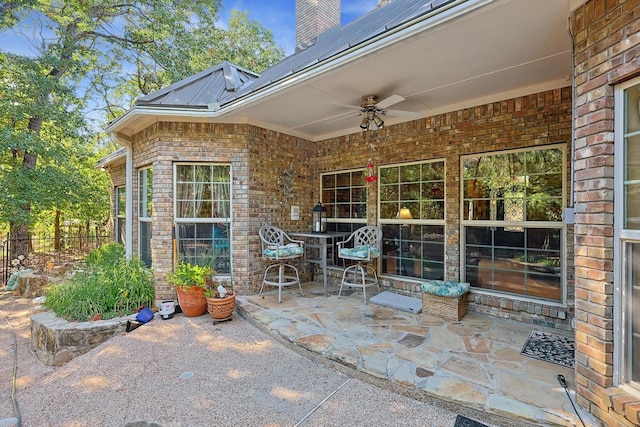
[255, 156]
[528, 121]
[314, 17]
[607, 51]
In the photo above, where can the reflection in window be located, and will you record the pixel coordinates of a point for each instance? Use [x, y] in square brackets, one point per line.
[145, 205]
[412, 219]
[344, 194]
[203, 215]
[121, 204]
[513, 232]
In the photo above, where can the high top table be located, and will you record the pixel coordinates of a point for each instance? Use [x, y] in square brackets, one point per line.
[321, 242]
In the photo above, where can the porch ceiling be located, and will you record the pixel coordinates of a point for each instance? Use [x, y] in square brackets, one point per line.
[504, 48]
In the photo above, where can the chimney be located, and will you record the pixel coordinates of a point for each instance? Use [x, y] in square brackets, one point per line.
[383, 2]
[314, 17]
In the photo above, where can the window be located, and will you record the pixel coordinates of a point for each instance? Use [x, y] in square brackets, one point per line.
[412, 219]
[121, 209]
[344, 194]
[512, 222]
[627, 231]
[145, 206]
[203, 215]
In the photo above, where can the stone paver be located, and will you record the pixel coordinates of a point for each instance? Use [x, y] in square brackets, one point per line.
[475, 361]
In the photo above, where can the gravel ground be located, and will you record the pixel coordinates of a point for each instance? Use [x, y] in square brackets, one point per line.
[190, 372]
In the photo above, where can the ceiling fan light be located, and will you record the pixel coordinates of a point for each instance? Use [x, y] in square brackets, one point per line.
[365, 124]
[379, 122]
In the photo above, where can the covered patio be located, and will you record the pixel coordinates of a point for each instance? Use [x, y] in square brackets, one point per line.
[475, 361]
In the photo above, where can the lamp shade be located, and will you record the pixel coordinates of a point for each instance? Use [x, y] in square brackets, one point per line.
[319, 219]
[405, 213]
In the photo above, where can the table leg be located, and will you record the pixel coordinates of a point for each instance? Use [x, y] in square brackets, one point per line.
[324, 266]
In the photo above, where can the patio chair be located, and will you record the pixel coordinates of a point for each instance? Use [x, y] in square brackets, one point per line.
[362, 246]
[278, 248]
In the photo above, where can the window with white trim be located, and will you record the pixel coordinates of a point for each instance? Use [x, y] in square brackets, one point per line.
[512, 228]
[145, 206]
[344, 194]
[203, 214]
[411, 214]
[627, 231]
[121, 211]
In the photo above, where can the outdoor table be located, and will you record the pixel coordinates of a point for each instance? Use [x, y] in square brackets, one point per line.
[320, 241]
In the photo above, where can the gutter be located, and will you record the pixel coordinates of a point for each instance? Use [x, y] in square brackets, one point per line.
[399, 33]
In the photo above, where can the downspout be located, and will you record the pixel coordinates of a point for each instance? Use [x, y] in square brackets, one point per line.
[128, 194]
[573, 109]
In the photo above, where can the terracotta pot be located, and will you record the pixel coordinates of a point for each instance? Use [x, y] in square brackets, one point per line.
[222, 308]
[192, 301]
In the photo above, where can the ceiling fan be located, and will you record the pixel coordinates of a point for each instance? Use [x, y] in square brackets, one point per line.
[373, 108]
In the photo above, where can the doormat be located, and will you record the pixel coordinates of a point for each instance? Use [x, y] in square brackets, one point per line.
[397, 301]
[462, 421]
[550, 348]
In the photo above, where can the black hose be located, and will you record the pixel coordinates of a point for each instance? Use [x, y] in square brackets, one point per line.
[563, 383]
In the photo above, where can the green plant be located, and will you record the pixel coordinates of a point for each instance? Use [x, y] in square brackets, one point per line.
[110, 285]
[186, 275]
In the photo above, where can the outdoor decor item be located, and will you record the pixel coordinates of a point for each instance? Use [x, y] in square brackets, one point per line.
[190, 281]
[221, 308]
[445, 299]
[550, 348]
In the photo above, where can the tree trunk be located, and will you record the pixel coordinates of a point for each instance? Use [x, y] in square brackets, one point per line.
[18, 240]
[56, 231]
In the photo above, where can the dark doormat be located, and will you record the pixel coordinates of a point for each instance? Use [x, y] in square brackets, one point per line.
[462, 421]
[550, 348]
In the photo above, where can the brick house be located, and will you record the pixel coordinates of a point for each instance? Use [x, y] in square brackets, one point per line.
[509, 126]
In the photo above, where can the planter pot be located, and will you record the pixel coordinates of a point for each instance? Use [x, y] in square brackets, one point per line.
[221, 308]
[192, 301]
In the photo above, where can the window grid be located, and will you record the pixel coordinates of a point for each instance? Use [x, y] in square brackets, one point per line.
[412, 211]
[513, 232]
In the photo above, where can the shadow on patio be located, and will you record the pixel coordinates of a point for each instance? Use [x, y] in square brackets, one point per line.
[475, 362]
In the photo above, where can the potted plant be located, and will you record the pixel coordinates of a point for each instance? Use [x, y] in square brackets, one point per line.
[220, 301]
[190, 281]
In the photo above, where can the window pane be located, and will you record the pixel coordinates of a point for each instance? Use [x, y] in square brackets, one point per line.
[523, 261]
[204, 244]
[121, 201]
[344, 194]
[145, 242]
[516, 187]
[411, 195]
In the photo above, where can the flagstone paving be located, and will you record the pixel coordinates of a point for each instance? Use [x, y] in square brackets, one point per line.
[475, 361]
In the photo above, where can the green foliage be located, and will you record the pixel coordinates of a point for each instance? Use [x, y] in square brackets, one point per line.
[187, 274]
[110, 286]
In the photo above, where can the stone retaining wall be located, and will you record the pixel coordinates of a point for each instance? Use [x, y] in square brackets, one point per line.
[56, 341]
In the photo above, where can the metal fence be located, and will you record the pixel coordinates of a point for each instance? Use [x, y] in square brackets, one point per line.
[47, 252]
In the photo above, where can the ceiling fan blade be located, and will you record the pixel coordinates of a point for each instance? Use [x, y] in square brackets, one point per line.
[388, 102]
[351, 107]
[400, 113]
[342, 117]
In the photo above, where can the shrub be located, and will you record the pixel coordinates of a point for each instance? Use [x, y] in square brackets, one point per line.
[110, 286]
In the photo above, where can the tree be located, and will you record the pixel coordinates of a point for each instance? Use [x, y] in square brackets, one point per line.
[98, 54]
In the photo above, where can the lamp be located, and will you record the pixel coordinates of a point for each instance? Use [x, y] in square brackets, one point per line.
[371, 117]
[319, 219]
[405, 213]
